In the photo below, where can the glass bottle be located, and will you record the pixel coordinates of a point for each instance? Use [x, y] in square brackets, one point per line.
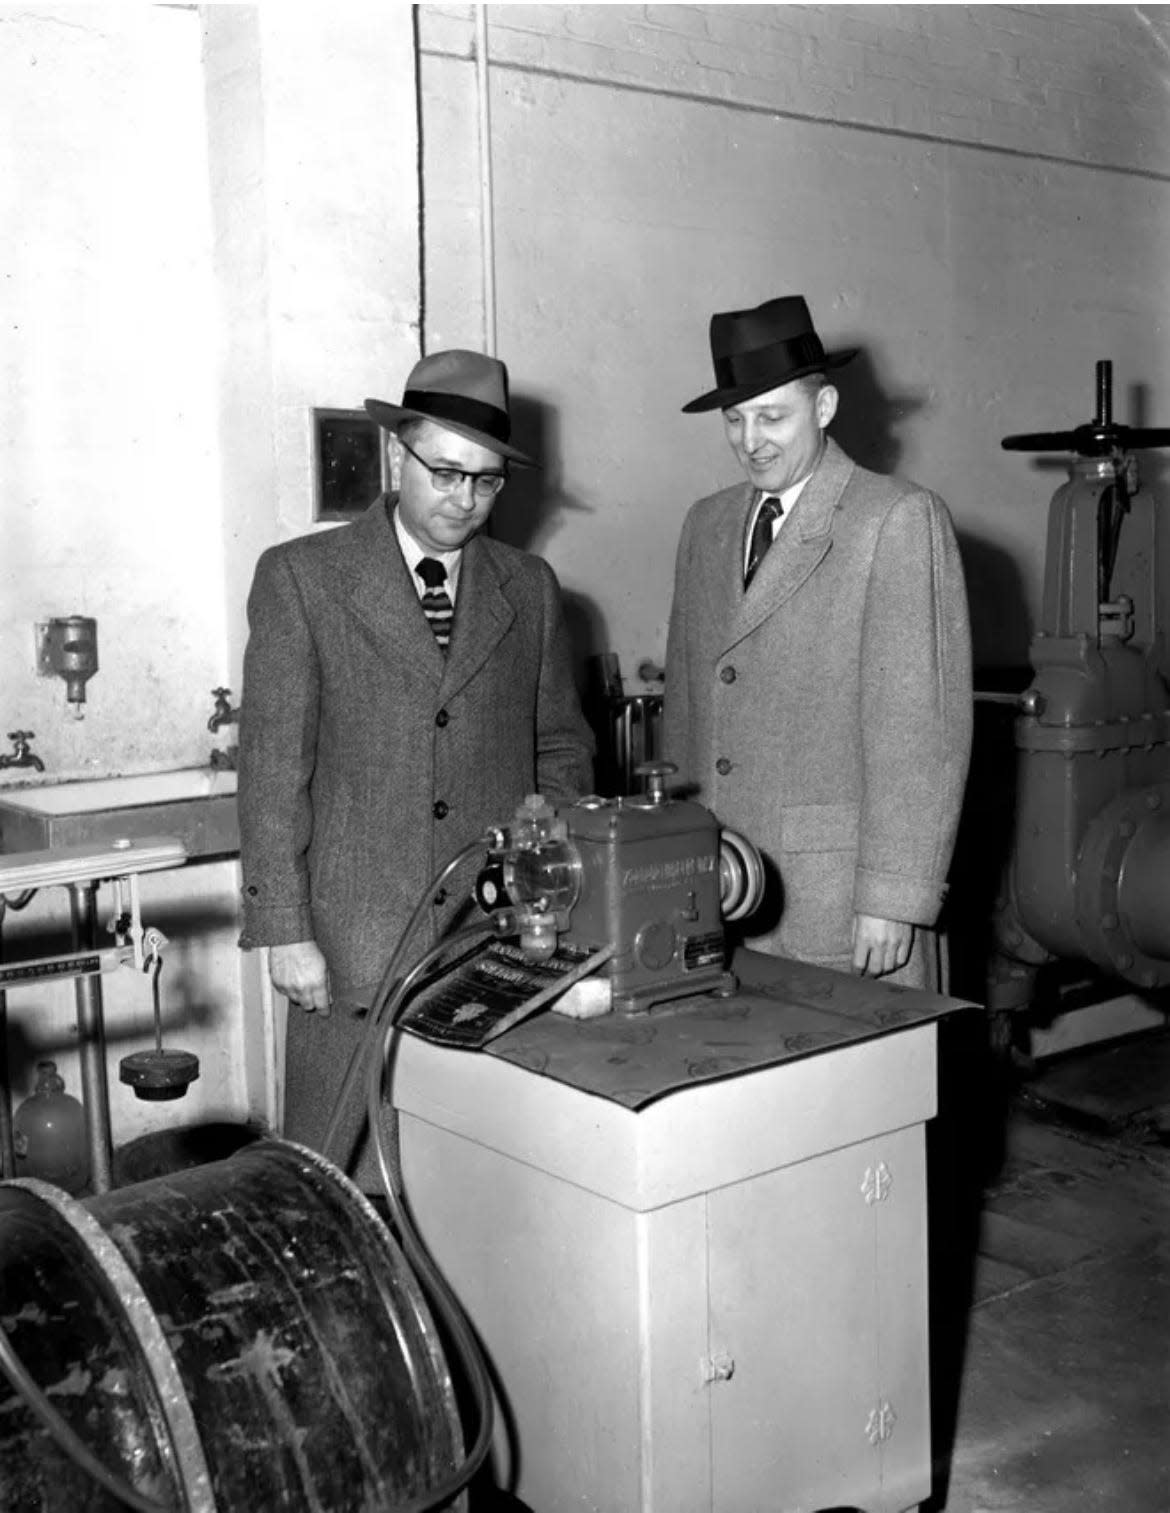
[49, 1134]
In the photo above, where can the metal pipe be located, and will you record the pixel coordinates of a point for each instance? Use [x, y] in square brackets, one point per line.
[7, 1144]
[625, 732]
[1104, 393]
[486, 196]
[92, 1039]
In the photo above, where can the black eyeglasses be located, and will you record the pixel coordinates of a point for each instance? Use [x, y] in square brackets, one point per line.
[447, 480]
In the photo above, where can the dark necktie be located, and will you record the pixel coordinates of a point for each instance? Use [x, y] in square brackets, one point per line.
[770, 510]
[436, 601]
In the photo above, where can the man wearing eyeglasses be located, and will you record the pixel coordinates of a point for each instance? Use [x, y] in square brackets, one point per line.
[407, 682]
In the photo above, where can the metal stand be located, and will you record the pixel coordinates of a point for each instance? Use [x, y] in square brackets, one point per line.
[81, 869]
[7, 1147]
[91, 1032]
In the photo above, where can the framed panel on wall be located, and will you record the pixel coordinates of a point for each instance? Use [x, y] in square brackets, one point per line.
[349, 464]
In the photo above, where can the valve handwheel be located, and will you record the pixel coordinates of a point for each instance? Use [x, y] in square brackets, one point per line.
[1100, 437]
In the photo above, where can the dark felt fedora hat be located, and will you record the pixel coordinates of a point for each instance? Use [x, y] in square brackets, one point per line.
[757, 350]
[466, 392]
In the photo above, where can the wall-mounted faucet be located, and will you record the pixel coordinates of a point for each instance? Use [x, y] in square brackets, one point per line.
[222, 715]
[21, 755]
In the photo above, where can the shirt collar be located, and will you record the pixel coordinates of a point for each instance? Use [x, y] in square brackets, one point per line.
[790, 495]
[413, 554]
[787, 497]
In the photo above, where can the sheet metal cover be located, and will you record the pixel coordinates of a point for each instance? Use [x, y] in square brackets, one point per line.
[783, 1010]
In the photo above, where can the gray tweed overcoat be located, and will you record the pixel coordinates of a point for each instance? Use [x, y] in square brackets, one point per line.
[826, 711]
[367, 758]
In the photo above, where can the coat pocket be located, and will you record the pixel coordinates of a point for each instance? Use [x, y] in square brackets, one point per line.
[819, 827]
[818, 860]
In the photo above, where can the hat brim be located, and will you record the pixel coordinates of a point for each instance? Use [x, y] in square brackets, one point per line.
[723, 399]
[391, 416]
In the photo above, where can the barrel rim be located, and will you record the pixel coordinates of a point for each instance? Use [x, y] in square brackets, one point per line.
[194, 1476]
[404, 1274]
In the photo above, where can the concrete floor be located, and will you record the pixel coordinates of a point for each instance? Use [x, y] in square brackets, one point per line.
[1051, 1283]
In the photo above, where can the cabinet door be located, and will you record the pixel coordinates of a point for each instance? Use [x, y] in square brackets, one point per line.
[817, 1306]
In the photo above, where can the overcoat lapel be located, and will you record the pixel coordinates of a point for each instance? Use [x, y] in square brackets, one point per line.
[799, 549]
[483, 614]
[382, 594]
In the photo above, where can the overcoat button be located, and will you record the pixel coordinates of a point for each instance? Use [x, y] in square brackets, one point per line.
[723, 767]
[441, 718]
[727, 674]
[440, 810]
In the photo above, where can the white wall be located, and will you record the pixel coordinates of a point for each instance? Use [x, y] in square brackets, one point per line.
[109, 497]
[209, 227]
[975, 195]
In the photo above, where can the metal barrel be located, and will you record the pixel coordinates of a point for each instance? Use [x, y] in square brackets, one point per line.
[239, 1336]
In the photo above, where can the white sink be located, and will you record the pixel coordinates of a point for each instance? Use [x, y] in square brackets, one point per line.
[123, 792]
[196, 805]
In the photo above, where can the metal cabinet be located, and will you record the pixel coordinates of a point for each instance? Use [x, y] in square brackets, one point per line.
[717, 1304]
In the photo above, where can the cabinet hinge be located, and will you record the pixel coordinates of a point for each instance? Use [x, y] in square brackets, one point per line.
[876, 1184]
[880, 1424]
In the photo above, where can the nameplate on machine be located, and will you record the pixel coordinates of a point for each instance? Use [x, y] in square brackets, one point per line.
[491, 989]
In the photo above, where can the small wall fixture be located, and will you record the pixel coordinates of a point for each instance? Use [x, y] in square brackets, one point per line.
[67, 648]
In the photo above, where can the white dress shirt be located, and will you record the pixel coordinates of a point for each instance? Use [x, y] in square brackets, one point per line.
[787, 499]
[413, 553]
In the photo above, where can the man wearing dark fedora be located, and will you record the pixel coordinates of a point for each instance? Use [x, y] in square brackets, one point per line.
[818, 670]
[407, 681]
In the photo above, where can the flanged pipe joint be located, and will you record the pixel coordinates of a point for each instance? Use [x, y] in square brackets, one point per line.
[1123, 887]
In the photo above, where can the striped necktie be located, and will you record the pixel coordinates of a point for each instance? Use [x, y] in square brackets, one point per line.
[762, 535]
[436, 601]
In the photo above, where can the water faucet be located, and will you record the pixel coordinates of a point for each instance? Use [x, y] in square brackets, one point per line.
[21, 755]
[224, 713]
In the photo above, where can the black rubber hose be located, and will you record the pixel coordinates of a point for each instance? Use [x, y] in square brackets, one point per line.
[369, 1040]
[433, 1281]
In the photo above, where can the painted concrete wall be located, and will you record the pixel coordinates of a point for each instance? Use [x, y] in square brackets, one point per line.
[109, 497]
[976, 196]
[209, 227]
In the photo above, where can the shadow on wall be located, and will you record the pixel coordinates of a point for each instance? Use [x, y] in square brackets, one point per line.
[867, 417]
[1001, 622]
[528, 513]
[1001, 631]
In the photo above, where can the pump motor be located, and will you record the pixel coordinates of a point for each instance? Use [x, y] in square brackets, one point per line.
[652, 876]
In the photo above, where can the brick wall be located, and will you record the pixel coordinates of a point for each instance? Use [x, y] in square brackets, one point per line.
[1085, 84]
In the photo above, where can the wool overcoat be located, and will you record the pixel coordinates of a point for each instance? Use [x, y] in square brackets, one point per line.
[368, 758]
[825, 712]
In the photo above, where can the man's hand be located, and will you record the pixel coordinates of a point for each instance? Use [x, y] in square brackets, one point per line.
[298, 971]
[880, 945]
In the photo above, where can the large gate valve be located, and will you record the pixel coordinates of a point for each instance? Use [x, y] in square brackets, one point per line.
[1091, 847]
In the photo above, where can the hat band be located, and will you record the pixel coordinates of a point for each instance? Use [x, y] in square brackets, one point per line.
[766, 363]
[461, 410]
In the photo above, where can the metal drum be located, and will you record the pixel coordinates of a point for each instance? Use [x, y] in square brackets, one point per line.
[242, 1336]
